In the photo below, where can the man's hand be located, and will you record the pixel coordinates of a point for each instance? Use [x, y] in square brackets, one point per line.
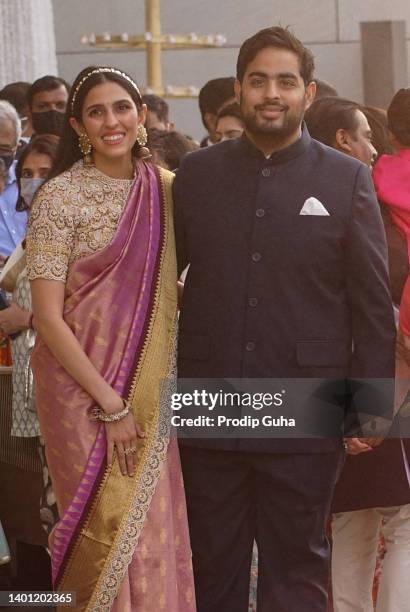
[355, 446]
[14, 319]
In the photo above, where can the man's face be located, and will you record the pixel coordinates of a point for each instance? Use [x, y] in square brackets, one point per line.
[360, 141]
[54, 99]
[228, 127]
[8, 143]
[153, 122]
[273, 96]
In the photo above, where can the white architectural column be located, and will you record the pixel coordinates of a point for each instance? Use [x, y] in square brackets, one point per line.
[27, 40]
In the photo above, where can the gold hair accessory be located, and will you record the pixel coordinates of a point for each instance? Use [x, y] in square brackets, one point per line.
[101, 71]
[85, 146]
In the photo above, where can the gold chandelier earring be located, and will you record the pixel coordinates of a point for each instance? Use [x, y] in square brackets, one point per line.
[142, 137]
[85, 147]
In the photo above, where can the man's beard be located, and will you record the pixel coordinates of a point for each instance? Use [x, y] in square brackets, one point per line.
[270, 129]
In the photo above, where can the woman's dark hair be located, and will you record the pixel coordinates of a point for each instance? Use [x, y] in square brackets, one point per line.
[232, 110]
[44, 144]
[280, 38]
[377, 118]
[328, 115]
[398, 116]
[169, 147]
[69, 151]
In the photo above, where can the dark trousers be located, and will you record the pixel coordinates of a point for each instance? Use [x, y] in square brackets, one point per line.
[280, 500]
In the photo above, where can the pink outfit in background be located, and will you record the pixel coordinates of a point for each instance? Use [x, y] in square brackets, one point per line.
[391, 177]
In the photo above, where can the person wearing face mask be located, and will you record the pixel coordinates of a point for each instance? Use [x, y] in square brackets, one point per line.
[47, 101]
[24, 480]
[12, 224]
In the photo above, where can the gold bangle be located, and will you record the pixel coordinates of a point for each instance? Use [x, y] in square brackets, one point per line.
[97, 414]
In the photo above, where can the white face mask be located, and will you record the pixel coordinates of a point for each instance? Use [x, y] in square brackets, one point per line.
[28, 188]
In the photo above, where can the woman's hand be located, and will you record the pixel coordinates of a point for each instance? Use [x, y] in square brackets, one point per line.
[122, 439]
[14, 319]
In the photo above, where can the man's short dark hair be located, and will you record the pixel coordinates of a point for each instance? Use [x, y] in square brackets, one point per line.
[214, 94]
[328, 115]
[157, 105]
[231, 110]
[16, 94]
[398, 116]
[324, 89]
[45, 83]
[279, 38]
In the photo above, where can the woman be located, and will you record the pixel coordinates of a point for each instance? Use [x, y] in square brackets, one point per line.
[22, 481]
[103, 277]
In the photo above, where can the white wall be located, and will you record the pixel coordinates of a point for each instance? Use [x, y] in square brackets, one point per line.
[329, 27]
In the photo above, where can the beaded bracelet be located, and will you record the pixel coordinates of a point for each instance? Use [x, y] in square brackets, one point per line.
[99, 415]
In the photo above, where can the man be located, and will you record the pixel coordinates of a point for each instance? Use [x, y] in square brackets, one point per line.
[47, 100]
[157, 113]
[12, 223]
[215, 94]
[229, 123]
[16, 94]
[341, 124]
[288, 279]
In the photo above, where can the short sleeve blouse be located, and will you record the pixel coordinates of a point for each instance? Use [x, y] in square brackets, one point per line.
[73, 215]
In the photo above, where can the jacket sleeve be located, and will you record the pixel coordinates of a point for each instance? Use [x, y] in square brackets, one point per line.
[370, 305]
[179, 197]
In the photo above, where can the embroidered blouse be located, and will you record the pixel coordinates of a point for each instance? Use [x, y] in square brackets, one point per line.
[73, 215]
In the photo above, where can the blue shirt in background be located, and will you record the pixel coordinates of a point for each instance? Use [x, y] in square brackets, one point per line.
[13, 224]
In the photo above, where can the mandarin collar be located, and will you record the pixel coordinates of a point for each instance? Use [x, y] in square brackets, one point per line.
[283, 155]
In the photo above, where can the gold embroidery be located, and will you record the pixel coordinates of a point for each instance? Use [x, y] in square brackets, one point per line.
[74, 215]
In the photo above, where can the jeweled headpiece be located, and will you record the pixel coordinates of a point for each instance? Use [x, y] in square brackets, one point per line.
[100, 71]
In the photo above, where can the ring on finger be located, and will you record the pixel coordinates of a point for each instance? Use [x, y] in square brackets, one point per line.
[130, 451]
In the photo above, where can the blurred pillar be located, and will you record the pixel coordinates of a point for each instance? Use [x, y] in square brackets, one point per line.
[27, 40]
[384, 58]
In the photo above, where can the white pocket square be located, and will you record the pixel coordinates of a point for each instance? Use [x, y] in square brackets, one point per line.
[313, 206]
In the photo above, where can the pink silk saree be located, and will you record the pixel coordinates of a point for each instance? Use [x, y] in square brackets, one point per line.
[121, 543]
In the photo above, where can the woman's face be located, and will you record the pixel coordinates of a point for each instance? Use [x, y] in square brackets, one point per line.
[110, 118]
[36, 165]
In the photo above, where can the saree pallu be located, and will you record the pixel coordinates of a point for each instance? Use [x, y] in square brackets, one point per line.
[122, 543]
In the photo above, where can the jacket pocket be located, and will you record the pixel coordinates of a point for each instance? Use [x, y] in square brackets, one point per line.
[322, 353]
[193, 346]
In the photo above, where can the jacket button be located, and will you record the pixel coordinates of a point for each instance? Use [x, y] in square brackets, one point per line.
[250, 346]
[256, 257]
[253, 302]
[260, 212]
[266, 172]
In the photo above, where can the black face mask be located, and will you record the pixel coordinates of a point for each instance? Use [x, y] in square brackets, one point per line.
[8, 159]
[48, 122]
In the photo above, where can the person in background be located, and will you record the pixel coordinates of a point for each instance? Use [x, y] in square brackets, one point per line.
[342, 125]
[16, 94]
[372, 495]
[47, 101]
[24, 480]
[168, 148]
[215, 94]
[12, 223]
[157, 113]
[229, 123]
